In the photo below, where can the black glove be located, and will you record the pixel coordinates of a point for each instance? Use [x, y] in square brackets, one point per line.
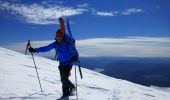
[32, 50]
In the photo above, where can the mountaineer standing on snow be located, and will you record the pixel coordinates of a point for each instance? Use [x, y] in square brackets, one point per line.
[67, 54]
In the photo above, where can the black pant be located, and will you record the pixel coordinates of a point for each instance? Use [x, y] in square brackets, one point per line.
[66, 83]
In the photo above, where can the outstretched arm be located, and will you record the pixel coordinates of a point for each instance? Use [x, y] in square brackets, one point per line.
[45, 48]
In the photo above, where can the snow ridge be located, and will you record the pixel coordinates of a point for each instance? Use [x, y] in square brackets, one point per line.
[18, 81]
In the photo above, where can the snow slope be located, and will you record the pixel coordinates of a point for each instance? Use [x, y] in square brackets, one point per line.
[18, 81]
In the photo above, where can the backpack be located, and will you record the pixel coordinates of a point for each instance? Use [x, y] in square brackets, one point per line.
[69, 40]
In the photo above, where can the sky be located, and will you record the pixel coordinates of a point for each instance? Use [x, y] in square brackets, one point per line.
[99, 20]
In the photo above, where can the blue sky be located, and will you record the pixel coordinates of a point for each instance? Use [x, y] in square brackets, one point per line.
[37, 20]
[21, 20]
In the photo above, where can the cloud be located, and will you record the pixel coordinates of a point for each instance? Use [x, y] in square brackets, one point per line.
[40, 13]
[50, 2]
[83, 5]
[48, 12]
[129, 47]
[128, 11]
[103, 13]
[21, 47]
[131, 11]
[111, 47]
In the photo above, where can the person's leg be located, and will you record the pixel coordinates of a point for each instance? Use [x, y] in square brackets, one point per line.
[63, 81]
[69, 82]
[66, 83]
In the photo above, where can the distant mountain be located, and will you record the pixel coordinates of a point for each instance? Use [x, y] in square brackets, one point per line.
[145, 71]
[95, 62]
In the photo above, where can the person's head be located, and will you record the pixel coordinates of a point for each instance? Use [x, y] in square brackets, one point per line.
[59, 35]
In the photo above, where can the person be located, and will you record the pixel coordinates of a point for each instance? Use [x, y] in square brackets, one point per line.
[67, 54]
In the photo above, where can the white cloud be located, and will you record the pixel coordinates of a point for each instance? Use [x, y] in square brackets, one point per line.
[83, 5]
[39, 13]
[131, 11]
[122, 47]
[48, 12]
[104, 13]
[128, 11]
[50, 2]
[130, 46]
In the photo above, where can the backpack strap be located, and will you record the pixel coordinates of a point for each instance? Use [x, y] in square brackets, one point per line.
[68, 41]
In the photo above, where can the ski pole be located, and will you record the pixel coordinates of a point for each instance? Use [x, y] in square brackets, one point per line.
[81, 75]
[36, 71]
[29, 45]
[76, 82]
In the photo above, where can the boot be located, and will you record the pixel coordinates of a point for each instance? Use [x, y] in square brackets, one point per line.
[72, 88]
[65, 91]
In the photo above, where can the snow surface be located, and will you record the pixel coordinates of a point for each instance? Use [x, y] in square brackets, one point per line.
[167, 89]
[18, 81]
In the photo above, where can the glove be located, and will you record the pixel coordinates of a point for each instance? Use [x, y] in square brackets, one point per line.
[31, 50]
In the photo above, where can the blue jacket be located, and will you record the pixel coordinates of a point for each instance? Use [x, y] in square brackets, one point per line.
[66, 51]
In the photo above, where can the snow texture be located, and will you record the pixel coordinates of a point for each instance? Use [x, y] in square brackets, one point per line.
[18, 81]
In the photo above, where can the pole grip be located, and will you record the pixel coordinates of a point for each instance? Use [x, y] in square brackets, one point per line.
[28, 45]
